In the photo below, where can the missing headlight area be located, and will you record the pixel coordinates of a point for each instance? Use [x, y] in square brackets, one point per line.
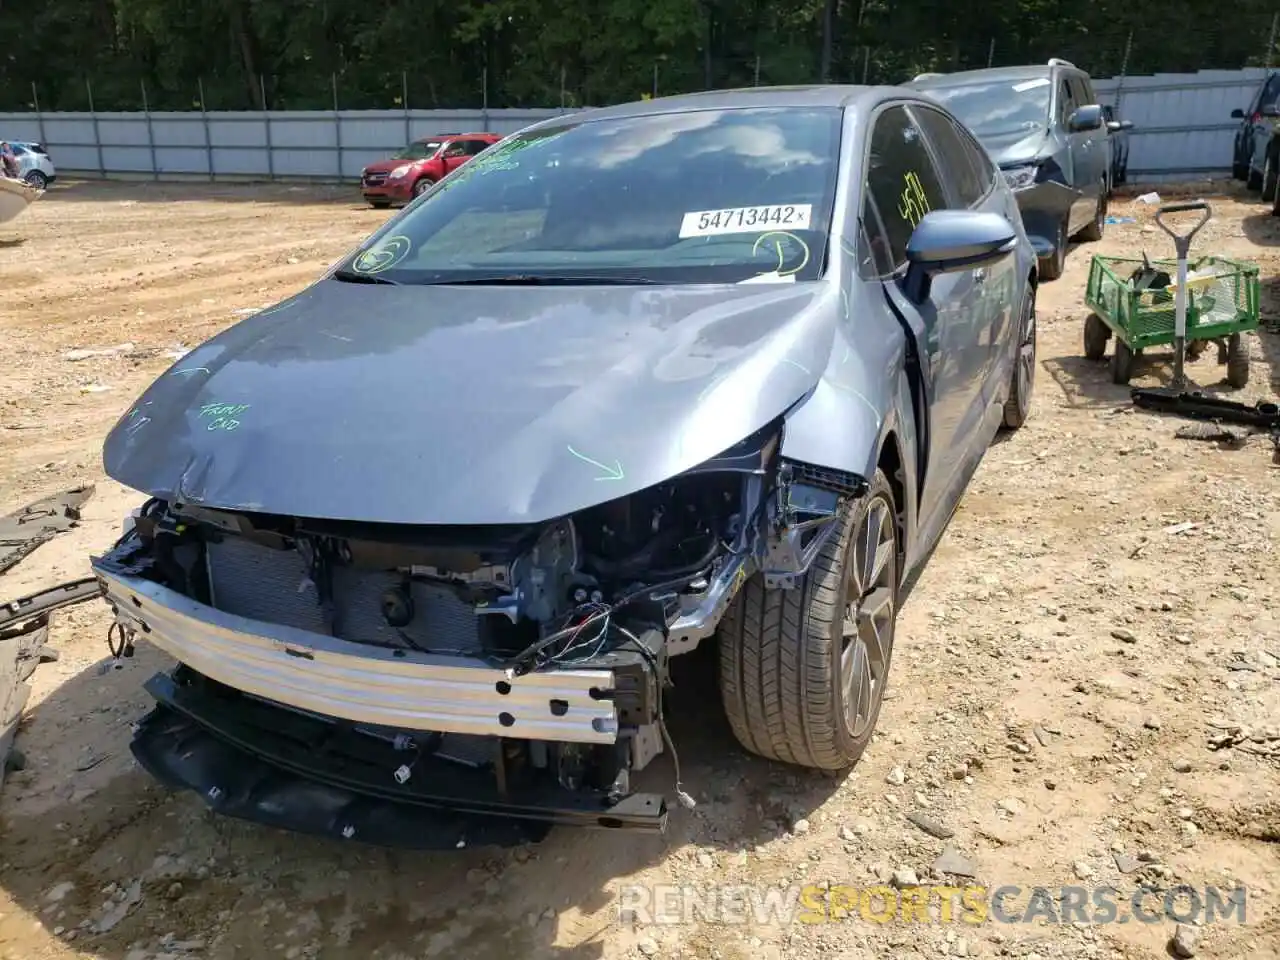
[515, 671]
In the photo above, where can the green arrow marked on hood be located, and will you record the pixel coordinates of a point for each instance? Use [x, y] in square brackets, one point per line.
[610, 473]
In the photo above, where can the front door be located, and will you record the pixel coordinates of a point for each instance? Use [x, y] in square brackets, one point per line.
[903, 184]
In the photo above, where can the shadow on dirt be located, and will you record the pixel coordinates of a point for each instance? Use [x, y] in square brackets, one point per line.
[94, 836]
[340, 196]
[1262, 229]
[1268, 338]
[16, 242]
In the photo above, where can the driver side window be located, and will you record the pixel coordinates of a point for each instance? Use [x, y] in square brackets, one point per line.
[456, 149]
[902, 181]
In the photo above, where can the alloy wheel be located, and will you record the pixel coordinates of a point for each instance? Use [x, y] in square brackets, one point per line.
[869, 617]
[1026, 371]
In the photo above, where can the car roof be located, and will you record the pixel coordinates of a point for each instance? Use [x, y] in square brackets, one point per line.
[987, 74]
[441, 137]
[811, 95]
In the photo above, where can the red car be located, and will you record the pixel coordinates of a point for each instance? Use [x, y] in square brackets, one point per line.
[419, 165]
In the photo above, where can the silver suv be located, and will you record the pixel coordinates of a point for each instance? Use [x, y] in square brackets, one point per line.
[1044, 127]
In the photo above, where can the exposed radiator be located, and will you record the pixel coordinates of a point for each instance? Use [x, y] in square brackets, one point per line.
[274, 586]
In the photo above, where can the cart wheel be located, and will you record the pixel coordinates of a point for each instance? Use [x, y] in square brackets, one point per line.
[1237, 361]
[1096, 335]
[1121, 362]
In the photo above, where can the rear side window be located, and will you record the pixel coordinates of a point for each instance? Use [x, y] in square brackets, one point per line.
[901, 178]
[1067, 102]
[1270, 93]
[967, 180]
[1084, 90]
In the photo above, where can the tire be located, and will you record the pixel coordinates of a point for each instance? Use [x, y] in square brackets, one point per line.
[1023, 377]
[1093, 232]
[1096, 335]
[1121, 363]
[1252, 180]
[781, 650]
[1051, 267]
[1275, 205]
[1239, 171]
[422, 185]
[1237, 361]
[37, 179]
[1270, 174]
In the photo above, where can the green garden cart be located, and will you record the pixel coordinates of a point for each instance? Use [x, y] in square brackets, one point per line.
[1206, 300]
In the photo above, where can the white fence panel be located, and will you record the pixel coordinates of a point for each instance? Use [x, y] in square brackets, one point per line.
[1182, 128]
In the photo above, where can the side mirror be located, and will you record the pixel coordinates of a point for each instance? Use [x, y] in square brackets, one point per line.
[1088, 117]
[1237, 114]
[946, 241]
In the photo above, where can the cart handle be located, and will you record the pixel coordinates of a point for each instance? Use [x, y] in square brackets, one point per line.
[1183, 241]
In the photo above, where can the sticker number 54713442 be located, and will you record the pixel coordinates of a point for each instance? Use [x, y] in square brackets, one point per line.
[785, 216]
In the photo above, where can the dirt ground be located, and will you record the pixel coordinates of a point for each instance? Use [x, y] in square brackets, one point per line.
[1101, 613]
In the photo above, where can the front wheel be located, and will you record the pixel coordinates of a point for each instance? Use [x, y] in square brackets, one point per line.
[803, 671]
[1270, 175]
[422, 186]
[1018, 404]
[1051, 267]
[37, 179]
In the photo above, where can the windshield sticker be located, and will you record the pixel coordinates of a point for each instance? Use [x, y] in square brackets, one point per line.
[1026, 85]
[221, 416]
[710, 223]
[777, 238]
[913, 204]
[383, 255]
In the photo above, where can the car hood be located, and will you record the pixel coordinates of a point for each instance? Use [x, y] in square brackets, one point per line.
[470, 405]
[1009, 148]
[386, 166]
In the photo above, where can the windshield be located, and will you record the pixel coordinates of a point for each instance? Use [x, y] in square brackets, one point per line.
[418, 150]
[708, 196]
[998, 108]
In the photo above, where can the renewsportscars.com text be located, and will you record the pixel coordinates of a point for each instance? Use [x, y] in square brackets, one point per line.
[670, 904]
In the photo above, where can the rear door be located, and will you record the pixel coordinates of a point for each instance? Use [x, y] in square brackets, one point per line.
[1261, 126]
[1079, 154]
[968, 180]
[903, 184]
[455, 154]
[1099, 141]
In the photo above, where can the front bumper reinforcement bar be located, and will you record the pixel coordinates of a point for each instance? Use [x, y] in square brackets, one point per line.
[255, 761]
[359, 682]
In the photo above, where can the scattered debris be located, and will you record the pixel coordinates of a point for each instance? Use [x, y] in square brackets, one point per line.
[931, 826]
[1184, 941]
[75, 356]
[123, 903]
[25, 529]
[1213, 433]
[953, 862]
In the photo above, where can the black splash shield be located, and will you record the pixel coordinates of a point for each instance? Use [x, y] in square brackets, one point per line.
[253, 761]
